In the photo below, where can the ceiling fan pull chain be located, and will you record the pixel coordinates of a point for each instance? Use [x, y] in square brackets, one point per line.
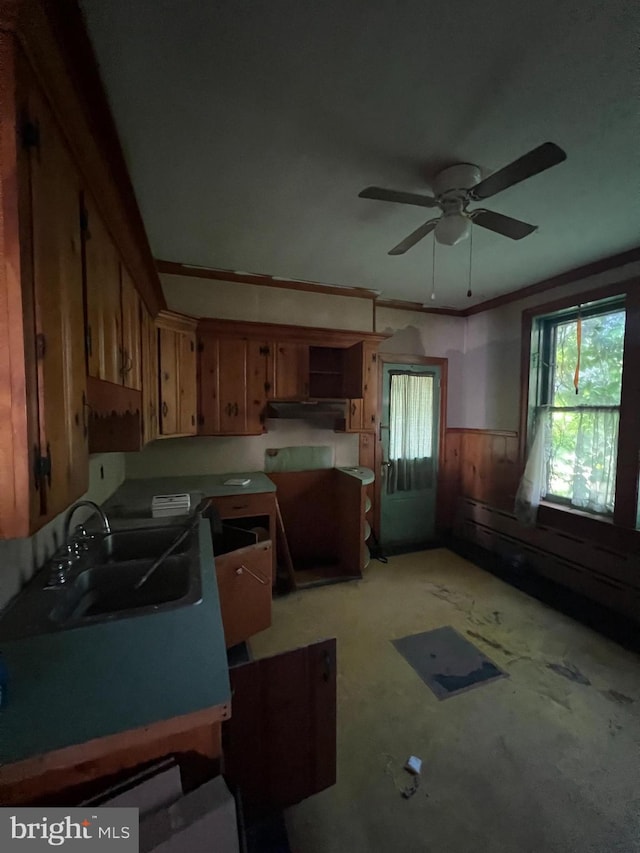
[469, 293]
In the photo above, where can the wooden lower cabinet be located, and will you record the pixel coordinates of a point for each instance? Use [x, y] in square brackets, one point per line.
[279, 745]
[244, 587]
[254, 510]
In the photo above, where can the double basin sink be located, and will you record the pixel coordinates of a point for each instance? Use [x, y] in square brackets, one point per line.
[102, 584]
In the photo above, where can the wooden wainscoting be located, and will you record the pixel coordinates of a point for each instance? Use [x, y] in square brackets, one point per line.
[592, 556]
[480, 464]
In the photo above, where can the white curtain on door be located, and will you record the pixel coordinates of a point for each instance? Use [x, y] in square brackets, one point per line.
[410, 432]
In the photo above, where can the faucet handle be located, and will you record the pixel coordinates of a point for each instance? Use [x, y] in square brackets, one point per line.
[59, 572]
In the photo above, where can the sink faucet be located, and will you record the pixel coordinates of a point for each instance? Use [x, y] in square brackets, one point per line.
[96, 511]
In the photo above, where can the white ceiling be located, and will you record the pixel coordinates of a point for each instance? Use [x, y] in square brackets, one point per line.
[250, 126]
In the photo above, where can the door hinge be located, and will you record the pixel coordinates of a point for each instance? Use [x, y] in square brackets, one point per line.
[41, 345]
[30, 134]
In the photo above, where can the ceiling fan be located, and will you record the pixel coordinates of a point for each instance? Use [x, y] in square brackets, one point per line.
[456, 187]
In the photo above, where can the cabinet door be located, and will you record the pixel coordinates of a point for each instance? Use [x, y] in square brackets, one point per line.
[59, 315]
[102, 294]
[353, 371]
[354, 415]
[131, 359]
[208, 385]
[244, 587]
[280, 743]
[260, 381]
[168, 364]
[370, 387]
[149, 353]
[291, 371]
[232, 383]
[187, 389]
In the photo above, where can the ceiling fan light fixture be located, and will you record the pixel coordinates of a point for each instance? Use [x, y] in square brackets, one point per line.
[452, 229]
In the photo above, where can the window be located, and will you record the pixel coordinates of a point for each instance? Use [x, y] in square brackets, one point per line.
[411, 425]
[575, 385]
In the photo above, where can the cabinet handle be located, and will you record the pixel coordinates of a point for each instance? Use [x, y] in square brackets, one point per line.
[85, 406]
[240, 506]
[353, 408]
[243, 568]
[235, 409]
[193, 420]
[165, 409]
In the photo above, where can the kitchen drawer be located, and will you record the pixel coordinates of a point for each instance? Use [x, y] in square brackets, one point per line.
[238, 506]
[244, 587]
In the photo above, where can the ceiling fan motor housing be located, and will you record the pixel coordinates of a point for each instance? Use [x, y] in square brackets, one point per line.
[456, 179]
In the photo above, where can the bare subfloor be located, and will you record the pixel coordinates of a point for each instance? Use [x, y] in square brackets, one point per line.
[546, 760]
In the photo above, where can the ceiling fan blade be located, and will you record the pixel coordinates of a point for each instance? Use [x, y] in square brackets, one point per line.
[414, 237]
[505, 225]
[543, 157]
[381, 194]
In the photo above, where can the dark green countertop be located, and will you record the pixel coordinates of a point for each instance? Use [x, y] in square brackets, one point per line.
[73, 686]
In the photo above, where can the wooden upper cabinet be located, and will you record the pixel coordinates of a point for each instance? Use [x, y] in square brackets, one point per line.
[44, 462]
[290, 371]
[177, 369]
[361, 386]
[232, 377]
[102, 294]
[149, 356]
[187, 388]
[131, 368]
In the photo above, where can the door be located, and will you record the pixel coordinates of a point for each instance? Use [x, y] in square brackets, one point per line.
[409, 431]
[280, 743]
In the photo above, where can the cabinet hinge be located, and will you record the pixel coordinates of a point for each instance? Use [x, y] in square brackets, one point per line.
[88, 338]
[41, 345]
[30, 134]
[201, 420]
[264, 350]
[200, 346]
[42, 465]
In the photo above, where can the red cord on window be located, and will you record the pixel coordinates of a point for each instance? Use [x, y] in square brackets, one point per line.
[576, 375]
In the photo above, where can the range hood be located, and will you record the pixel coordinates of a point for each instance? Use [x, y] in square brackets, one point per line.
[308, 410]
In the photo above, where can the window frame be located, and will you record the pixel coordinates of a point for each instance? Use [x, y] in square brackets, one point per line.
[626, 292]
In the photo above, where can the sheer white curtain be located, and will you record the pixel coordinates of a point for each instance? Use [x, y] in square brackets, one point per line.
[410, 432]
[572, 459]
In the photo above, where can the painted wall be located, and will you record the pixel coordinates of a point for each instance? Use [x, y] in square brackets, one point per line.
[490, 393]
[229, 300]
[229, 454]
[19, 558]
[435, 335]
